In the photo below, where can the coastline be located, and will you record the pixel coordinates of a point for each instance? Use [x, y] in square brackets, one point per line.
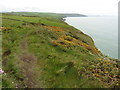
[46, 49]
[64, 19]
[92, 35]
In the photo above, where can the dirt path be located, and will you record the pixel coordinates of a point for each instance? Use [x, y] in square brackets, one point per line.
[28, 64]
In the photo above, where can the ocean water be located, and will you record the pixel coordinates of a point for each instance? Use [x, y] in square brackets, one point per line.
[103, 30]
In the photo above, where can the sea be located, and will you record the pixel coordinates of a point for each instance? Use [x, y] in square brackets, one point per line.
[102, 29]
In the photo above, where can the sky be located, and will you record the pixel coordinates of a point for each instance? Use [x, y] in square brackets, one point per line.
[87, 7]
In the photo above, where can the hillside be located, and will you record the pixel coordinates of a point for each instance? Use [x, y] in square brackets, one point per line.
[73, 15]
[48, 14]
[42, 51]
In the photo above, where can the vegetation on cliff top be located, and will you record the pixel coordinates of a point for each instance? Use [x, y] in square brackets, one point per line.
[42, 51]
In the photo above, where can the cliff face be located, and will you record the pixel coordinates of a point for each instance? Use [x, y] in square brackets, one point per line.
[42, 51]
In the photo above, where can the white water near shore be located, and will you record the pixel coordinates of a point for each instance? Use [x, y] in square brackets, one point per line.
[103, 30]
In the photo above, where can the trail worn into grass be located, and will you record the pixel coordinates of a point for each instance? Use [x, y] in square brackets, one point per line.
[28, 64]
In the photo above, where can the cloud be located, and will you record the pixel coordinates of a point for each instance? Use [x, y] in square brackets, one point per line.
[65, 6]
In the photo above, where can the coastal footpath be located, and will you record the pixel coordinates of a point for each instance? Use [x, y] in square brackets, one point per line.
[40, 50]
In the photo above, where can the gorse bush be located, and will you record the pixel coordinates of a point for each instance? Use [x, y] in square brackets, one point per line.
[42, 51]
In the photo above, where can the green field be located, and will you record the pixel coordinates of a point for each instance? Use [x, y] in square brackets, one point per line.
[42, 51]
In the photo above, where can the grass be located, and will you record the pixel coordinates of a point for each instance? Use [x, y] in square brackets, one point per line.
[43, 51]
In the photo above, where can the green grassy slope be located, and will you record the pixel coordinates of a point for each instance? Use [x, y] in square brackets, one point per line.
[48, 53]
[44, 14]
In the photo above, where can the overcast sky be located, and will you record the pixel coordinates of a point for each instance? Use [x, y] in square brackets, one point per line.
[89, 7]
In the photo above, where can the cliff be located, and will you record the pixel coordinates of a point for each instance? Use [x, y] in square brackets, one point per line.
[42, 51]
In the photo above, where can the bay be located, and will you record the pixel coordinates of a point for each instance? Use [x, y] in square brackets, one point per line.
[103, 30]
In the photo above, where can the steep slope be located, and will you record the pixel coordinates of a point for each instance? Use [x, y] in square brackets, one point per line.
[45, 52]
